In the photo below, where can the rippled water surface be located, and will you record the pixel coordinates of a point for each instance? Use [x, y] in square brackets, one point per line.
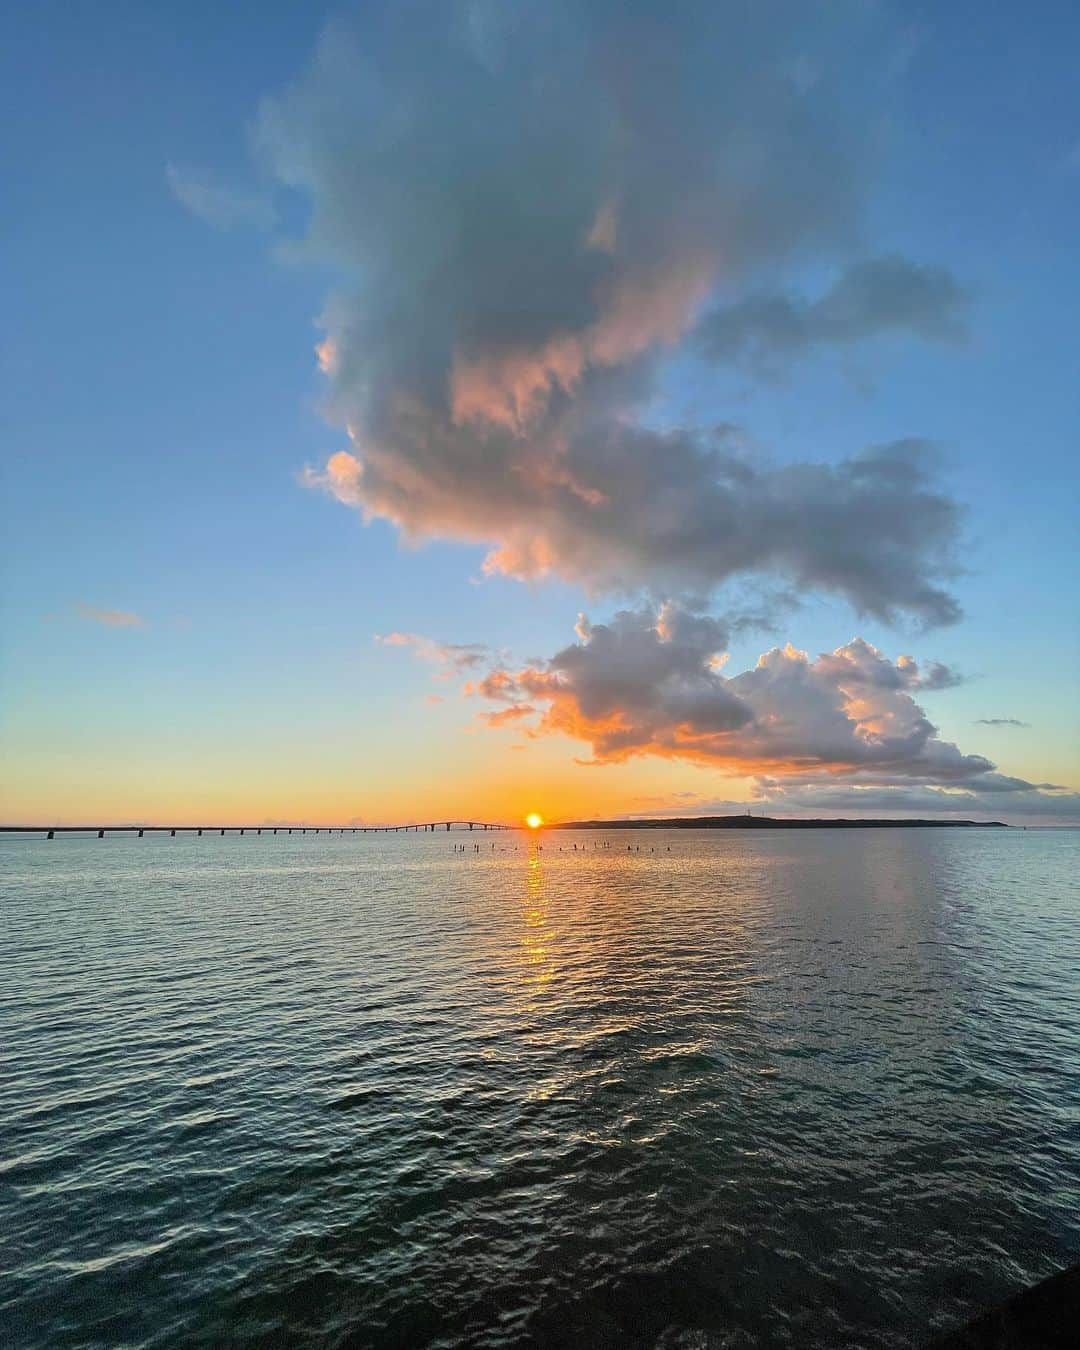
[728, 1090]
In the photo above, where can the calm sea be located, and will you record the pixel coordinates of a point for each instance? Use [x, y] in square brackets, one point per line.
[807, 1089]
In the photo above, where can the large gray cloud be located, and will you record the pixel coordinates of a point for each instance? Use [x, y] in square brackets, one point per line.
[529, 206]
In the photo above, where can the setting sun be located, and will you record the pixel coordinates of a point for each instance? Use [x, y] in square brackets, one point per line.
[534, 821]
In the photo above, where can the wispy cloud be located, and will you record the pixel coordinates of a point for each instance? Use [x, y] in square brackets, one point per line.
[108, 618]
[507, 716]
[1000, 722]
[215, 203]
[456, 656]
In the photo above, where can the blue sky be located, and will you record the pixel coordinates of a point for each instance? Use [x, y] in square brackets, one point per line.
[162, 400]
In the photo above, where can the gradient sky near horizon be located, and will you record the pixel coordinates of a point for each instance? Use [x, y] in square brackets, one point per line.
[354, 352]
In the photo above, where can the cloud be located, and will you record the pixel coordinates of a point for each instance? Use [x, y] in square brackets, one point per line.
[217, 204]
[650, 683]
[507, 716]
[1032, 802]
[1018, 802]
[870, 299]
[457, 656]
[624, 507]
[529, 208]
[108, 618]
[933, 676]
[1000, 722]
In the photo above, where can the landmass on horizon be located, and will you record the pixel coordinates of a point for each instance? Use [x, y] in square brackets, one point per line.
[768, 823]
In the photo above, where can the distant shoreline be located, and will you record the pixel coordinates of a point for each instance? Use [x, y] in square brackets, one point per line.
[771, 823]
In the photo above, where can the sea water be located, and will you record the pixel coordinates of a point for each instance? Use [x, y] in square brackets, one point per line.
[666, 1088]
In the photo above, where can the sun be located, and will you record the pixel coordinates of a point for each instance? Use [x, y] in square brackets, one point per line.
[534, 821]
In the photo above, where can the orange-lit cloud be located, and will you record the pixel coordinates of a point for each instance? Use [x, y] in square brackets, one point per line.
[506, 716]
[649, 683]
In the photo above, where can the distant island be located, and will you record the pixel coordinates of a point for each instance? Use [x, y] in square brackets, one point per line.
[772, 823]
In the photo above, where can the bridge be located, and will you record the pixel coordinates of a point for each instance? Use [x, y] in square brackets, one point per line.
[416, 827]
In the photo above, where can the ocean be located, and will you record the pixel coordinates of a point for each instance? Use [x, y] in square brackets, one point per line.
[661, 1089]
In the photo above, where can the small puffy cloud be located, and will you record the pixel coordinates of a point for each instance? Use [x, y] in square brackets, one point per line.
[340, 477]
[215, 203]
[648, 683]
[870, 299]
[456, 656]
[109, 618]
[934, 675]
[1000, 722]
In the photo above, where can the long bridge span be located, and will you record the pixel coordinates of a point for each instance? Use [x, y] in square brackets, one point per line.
[416, 827]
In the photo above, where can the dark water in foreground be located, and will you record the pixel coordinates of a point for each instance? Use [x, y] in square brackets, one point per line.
[763, 1090]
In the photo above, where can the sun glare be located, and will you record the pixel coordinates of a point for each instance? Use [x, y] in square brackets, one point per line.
[534, 821]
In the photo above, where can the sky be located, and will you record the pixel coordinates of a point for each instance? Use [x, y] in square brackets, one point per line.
[426, 410]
